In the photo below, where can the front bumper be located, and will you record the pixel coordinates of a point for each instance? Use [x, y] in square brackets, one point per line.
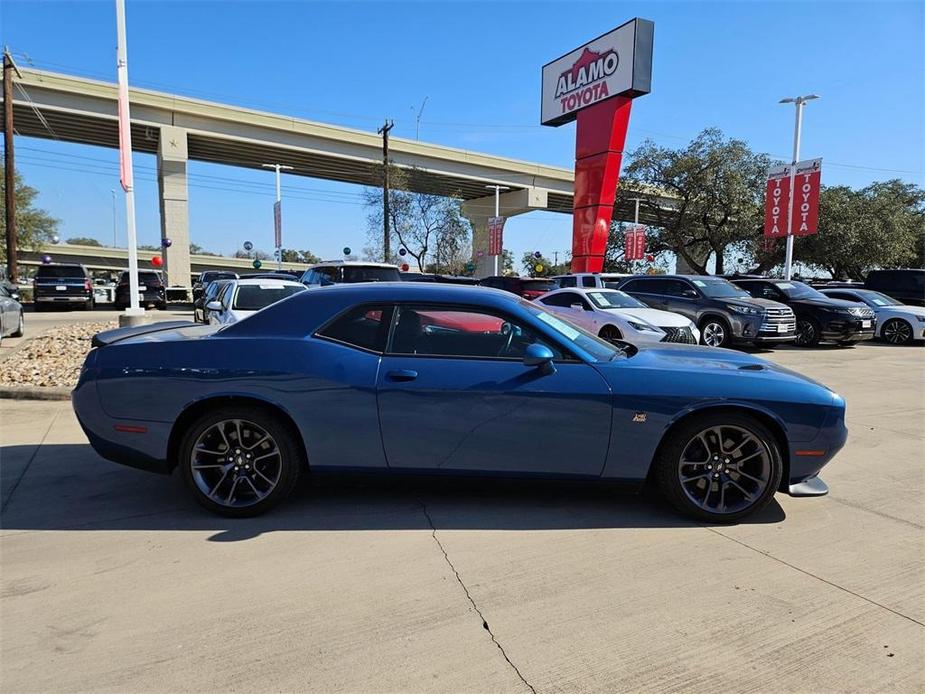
[807, 458]
[841, 330]
[758, 328]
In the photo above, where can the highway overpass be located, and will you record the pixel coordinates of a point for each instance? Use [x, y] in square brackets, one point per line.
[177, 129]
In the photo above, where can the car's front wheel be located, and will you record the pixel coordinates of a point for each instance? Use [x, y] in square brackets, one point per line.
[719, 467]
[715, 332]
[239, 461]
[21, 328]
[896, 331]
[808, 332]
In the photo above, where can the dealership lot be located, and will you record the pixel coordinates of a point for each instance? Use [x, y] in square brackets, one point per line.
[113, 580]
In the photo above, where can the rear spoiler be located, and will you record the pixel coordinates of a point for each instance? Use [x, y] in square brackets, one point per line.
[108, 337]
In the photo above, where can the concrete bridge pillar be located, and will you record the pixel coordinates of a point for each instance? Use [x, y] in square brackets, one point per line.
[479, 210]
[172, 158]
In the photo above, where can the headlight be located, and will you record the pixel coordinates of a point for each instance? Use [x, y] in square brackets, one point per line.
[748, 310]
[857, 312]
[920, 319]
[643, 327]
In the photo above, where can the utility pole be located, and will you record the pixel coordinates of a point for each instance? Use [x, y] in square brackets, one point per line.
[799, 102]
[384, 131]
[278, 214]
[417, 121]
[497, 190]
[112, 190]
[9, 169]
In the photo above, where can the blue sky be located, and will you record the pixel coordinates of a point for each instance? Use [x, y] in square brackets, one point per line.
[478, 64]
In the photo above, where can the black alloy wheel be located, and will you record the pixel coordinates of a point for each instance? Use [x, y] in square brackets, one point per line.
[808, 332]
[610, 333]
[896, 331]
[720, 467]
[239, 461]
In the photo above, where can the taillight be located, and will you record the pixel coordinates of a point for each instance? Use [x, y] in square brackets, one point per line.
[88, 286]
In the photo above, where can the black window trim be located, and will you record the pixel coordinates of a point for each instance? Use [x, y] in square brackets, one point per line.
[568, 357]
[372, 305]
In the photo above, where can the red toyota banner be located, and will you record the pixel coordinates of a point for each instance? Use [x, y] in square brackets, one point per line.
[777, 201]
[495, 235]
[806, 197]
[634, 240]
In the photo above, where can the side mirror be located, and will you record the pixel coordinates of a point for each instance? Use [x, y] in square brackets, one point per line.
[689, 294]
[540, 356]
[214, 306]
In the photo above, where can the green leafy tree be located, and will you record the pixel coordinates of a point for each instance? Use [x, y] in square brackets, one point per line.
[291, 255]
[530, 263]
[256, 253]
[34, 226]
[431, 228]
[706, 197]
[196, 249]
[83, 241]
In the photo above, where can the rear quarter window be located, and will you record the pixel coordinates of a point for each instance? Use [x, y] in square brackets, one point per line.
[364, 327]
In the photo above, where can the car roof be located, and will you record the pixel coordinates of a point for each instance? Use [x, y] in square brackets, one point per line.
[351, 263]
[266, 281]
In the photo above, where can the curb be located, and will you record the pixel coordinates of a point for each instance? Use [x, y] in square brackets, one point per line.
[34, 393]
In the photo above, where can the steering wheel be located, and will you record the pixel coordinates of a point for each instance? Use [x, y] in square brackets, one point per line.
[508, 330]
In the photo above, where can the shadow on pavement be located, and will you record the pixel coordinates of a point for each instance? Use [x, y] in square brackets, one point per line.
[69, 487]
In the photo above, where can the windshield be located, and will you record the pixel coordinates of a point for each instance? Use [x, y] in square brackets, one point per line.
[598, 348]
[798, 290]
[253, 297]
[717, 288]
[212, 276]
[354, 273]
[539, 285]
[877, 298]
[59, 271]
[614, 299]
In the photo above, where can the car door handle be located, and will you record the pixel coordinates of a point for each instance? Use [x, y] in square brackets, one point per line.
[402, 375]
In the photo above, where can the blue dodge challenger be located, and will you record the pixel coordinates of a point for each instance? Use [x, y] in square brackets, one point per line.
[412, 377]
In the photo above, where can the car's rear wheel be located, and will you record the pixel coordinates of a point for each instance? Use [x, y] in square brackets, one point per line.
[239, 461]
[715, 332]
[719, 467]
[610, 333]
[896, 331]
[808, 332]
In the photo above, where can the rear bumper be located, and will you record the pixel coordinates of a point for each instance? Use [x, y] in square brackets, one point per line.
[67, 299]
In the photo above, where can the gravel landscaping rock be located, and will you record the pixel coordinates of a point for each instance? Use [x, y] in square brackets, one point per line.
[52, 360]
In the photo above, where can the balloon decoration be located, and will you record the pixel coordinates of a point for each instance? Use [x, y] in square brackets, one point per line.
[650, 258]
[538, 268]
[248, 246]
[405, 267]
[46, 259]
[56, 239]
[402, 251]
[537, 254]
[157, 261]
[166, 243]
[257, 264]
[347, 250]
[470, 267]
[480, 254]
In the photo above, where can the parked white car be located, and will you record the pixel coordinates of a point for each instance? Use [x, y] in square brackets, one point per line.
[615, 315]
[589, 279]
[897, 323]
[242, 298]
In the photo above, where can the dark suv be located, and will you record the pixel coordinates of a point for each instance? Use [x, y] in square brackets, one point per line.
[57, 284]
[906, 286]
[725, 314]
[150, 290]
[528, 287]
[819, 317]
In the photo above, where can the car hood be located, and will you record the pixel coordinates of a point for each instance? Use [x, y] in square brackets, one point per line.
[663, 319]
[828, 303]
[752, 301]
[899, 310]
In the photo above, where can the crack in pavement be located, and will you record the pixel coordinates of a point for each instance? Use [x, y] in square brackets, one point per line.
[818, 578]
[446, 557]
[9, 497]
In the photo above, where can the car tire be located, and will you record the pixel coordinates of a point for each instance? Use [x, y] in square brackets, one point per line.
[750, 480]
[88, 305]
[715, 332]
[809, 332]
[162, 306]
[214, 477]
[610, 333]
[21, 328]
[896, 331]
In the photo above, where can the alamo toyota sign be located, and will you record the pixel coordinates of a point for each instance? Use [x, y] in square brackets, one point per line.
[619, 63]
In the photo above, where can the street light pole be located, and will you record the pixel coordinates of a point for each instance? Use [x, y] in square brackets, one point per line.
[279, 241]
[797, 132]
[112, 190]
[497, 190]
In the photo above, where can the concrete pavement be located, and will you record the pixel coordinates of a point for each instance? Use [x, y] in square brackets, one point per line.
[114, 580]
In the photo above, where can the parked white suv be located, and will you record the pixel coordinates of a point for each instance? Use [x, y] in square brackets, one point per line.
[590, 280]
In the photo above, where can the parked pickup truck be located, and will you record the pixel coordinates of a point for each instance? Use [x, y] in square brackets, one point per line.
[60, 284]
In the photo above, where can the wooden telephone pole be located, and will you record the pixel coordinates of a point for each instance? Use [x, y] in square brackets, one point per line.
[9, 170]
[384, 131]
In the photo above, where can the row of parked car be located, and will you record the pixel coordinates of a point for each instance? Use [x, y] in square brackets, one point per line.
[714, 311]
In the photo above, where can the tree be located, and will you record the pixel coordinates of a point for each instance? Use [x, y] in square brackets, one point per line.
[34, 226]
[83, 241]
[879, 226]
[256, 253]
[429, 227]
[196, 249]
[293, 256]
[717, 191]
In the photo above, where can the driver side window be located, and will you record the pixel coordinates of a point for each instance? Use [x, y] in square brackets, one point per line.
[461, 332]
